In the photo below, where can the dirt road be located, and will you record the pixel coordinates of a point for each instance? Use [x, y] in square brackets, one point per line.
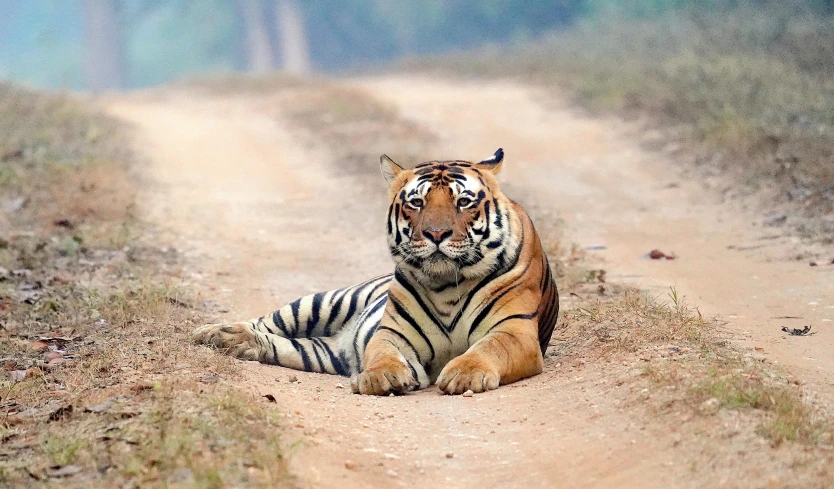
[262, 219]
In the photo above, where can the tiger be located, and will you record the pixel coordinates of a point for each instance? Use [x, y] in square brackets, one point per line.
[471, 305]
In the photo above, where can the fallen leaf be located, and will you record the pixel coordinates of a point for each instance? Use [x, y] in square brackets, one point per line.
[806, 331]
[270, 398]
[38, 346]
[64, 223]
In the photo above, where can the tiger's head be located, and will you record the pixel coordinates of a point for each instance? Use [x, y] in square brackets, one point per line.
[447, 219]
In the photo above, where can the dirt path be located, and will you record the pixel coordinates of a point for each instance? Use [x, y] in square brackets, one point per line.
[262, 220]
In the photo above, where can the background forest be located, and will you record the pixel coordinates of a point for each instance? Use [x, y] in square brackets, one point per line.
[102, 44]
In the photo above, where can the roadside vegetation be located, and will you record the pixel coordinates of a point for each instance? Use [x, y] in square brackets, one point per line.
[743, 89]
[100, 386]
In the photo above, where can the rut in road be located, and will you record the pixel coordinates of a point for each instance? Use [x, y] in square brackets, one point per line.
[263, 219]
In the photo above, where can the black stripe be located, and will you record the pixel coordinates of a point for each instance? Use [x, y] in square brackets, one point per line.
[370, 332]
[376, 287]
[313, 320]
[390, 210]
[274, 351]
[305, 358]
[279, 322]
[508, 318]
[337, 364]
[397, 237]
[407, 342]
[499, 218]
[486, 310]
[403, 314]
[368, 335]
[334, 311]
[411, 290]
[413, 371]
[313, 344]
[294, 306]
[376, 307]
[489, 278]
[494, 244]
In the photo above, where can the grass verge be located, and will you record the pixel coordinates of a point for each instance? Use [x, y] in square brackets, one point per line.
[682, 350]
[100, 386]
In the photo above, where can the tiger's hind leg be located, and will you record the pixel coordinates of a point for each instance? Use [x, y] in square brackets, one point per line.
[241, 340]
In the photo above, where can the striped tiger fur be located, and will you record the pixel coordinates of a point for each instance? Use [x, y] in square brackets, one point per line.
[471, 304]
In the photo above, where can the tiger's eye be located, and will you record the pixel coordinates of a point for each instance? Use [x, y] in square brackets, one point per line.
[416, 203]
[464, 202]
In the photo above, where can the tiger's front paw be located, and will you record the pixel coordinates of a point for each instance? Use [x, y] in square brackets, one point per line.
[468, 372]
[394, 377]
[238, 339]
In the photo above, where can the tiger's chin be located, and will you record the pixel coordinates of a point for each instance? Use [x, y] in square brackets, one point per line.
[440, 266]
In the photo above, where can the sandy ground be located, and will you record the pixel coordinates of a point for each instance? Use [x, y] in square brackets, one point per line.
[262, 219]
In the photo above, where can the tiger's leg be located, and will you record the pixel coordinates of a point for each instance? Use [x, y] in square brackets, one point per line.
[391, 365]
[323, 355]
[508, 352]
[340, 355]
[321, 314]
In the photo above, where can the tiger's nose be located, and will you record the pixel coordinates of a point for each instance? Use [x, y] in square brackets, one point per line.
[436, 236]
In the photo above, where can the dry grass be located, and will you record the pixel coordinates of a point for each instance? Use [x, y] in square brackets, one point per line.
[748, 91]
[684, 351]
[100, 386]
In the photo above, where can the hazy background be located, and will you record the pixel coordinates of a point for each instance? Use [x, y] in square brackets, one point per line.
[104, 44]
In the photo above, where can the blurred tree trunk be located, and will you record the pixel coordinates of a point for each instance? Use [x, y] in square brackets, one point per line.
[104, 64]
[294, 49]
[258, 46]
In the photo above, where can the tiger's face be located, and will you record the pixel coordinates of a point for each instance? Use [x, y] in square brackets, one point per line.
[447, 219]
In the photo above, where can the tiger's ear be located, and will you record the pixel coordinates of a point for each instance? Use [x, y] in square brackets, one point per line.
[390, 170]
[493, 163]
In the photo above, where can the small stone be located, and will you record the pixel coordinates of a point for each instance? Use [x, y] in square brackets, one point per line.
[450, 455]
[350, 465]
[710, 406]
[292, 378]
[468, 393]
[392, 473]
[391, 456]
[340, 386]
